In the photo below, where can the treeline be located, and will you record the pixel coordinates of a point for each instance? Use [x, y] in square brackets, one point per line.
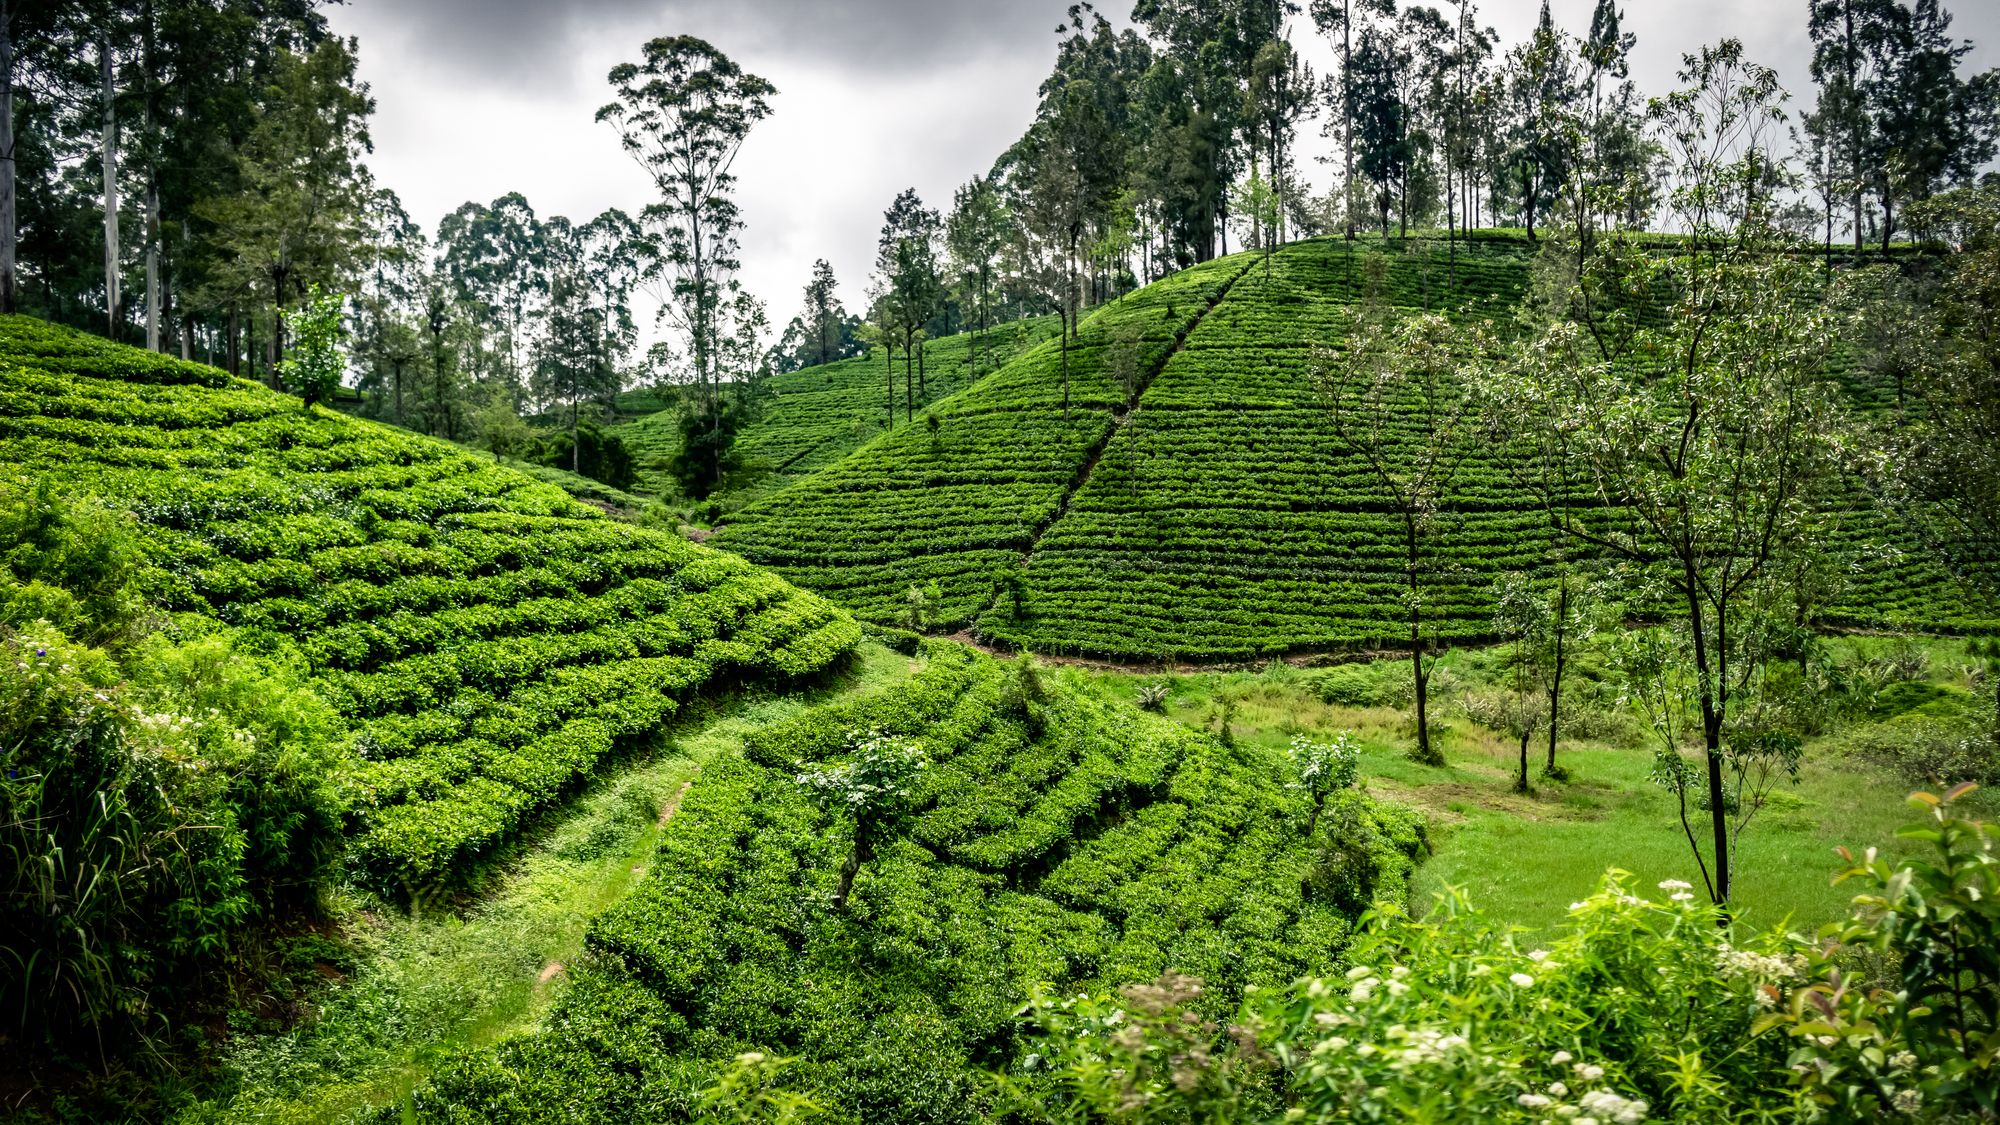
[1152, 145]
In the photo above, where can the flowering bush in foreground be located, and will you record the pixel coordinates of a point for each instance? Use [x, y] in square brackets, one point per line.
[1636, 1010]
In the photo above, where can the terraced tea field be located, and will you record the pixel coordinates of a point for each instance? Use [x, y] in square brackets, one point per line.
[1212, 513]
[809, 419]
[489, 640]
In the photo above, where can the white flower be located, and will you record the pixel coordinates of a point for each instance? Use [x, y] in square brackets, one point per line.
[1558, 1089]
[1908, 1101]
[1359, 971]
[1533, 1101]
[1607, 1106]
[1903, 1060]
[1522, 980]
[1681, 896]
[1560, 1057]
[1675, 885]
[1539, 956]
[1397, 988]
[1589, 1072]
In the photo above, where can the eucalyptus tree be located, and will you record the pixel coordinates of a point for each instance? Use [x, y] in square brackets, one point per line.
[389, 305]
[1373, 87]
[684, 112]
[975, 234]
[1851, 40]
[496, 256]
[1339, 21]
[574, 363]
[1280, 96]
[298, 218]
[1938, 128]
[906, 269]
[1542, 92]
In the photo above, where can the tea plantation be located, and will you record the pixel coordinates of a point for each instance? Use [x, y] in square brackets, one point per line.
[803, 421]
[1200, 506]
[1052, 838]
[489, 640]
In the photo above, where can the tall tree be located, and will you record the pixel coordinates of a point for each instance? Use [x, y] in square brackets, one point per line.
[1850, 41]
[1695, 398]
[1938, 129]
[299, 218]
[907, 272]
[1340, 21]
[1399, 405]
[975, 234]
[683, 112]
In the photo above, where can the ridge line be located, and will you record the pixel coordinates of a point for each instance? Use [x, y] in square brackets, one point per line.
[1118, 422]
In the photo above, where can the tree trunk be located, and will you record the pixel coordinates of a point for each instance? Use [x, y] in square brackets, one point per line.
[1425, 753]
[1556, 674]
[1347, 117]
[909, 341]
[1711, 733]
[1312, 819]
[152, 188]
[889, 355]
[110, 158]
[1521, 780]
[235, 346]
[8, 245]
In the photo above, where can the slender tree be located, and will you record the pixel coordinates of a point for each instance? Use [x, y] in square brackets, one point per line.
[684, 112]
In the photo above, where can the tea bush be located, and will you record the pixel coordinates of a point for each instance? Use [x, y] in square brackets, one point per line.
[1107, 847]
[486, 640]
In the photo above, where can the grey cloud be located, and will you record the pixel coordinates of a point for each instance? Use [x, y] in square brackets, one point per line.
[509, 41]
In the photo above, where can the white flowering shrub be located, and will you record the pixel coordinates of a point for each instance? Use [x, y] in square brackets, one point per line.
[869, 790]
[1324, 768]
[1638, 1008]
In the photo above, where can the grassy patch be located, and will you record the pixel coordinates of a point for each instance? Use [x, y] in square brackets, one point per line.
[1523, 858]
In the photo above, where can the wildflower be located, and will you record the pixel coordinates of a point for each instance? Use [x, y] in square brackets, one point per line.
[1560, 1057]
[1532, 1101]
[1398, 988]
[1539, 956]
[1522, 980]
[1359, 971]
[1362, 990]
[1607, 1106]
[1903, 1060]
[1589, 1072]
[1676, 885]
[1681, 896]
[1908, 1101]
[1558, 1089]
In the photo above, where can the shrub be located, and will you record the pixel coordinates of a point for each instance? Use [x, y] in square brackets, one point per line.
[1153, 696]
[1633, 1010]
[1347, 685]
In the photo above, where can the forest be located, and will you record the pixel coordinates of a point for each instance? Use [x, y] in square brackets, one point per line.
[1353, 570]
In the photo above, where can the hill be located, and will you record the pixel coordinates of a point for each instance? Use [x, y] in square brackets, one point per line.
[803, 421]
[1054, 839]
[1200, 507]
[486, 640]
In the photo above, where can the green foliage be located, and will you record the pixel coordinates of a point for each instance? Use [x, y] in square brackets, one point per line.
[708, 436]
[314, 363]
[1108, 847]
[148, 814]
[592, 452]
[488, 640]
[1634, 1010]
[72, 565]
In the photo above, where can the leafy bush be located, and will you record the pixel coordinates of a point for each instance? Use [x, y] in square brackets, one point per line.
[1928, 751]
[1634, 1010]
[1347, 685]
[146, 821]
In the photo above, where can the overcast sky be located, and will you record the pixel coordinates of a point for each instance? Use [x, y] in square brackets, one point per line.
[477, 98]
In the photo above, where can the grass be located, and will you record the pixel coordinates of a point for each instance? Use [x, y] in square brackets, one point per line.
[1523, 858]
[436, 981]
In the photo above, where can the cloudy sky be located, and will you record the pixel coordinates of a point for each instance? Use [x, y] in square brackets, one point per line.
[477, 98]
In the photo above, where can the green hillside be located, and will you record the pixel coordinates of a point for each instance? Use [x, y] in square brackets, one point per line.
[1211, 513]
[1054, 839]
[806, 420]
[488, 640]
